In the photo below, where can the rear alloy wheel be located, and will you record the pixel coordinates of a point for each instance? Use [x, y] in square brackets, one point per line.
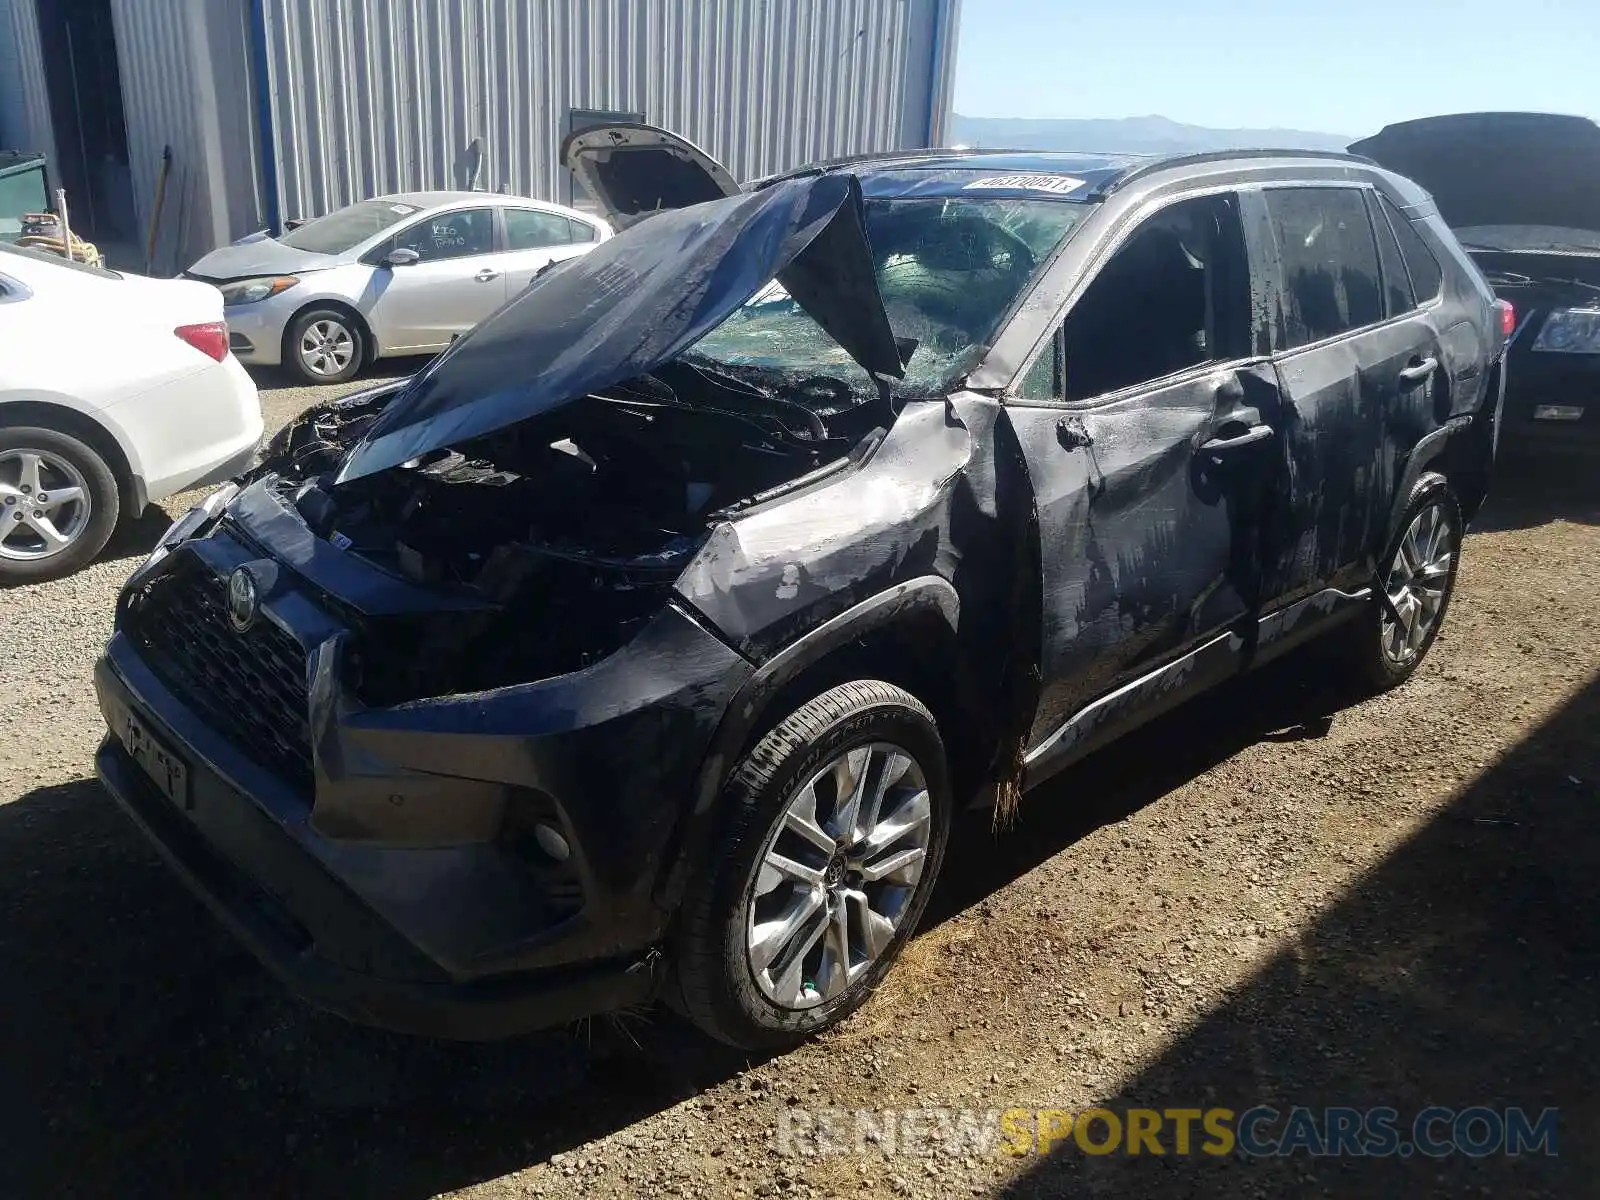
[58, 504]
[1418, 577]
[324, 346]
[837, 824]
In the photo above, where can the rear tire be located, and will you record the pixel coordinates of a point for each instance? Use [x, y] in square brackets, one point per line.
[1418, 574]
[851, 880]
[52, 485]
[324, 345]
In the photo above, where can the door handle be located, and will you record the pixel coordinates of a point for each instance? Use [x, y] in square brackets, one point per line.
[485, 275]
[1227, 445]
[1417, 372]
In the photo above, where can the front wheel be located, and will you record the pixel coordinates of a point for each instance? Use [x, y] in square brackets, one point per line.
[837, 825]
[1418, 577]
[324, 345]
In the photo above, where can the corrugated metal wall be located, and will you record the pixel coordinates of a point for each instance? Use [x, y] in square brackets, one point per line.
[373, 96]
[186, 83]
[24, 102]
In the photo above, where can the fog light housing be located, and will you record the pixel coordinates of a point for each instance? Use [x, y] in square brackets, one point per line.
[1558, 412]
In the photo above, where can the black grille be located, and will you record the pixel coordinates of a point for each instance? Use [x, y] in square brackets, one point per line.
[249, 686]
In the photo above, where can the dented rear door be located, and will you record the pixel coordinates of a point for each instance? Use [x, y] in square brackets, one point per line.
[1358, 372]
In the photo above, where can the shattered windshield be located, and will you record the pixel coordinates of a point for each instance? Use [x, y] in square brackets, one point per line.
[949, 268]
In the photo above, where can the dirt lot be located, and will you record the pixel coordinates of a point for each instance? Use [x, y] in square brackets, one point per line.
[1267, 898]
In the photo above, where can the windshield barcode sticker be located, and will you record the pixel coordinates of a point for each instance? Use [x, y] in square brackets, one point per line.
[1059, 184]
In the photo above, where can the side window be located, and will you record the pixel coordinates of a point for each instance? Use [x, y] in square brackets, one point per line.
[448, 235]
[1174, 295]
[582, 231]
[1329, 261]
[1397, 297]
[1426, 277]
[1043, 380]
[530, 229]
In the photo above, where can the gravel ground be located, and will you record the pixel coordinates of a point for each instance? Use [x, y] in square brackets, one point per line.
[1271, 897]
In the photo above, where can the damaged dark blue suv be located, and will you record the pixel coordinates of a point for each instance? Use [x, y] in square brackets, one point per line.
[642, 645]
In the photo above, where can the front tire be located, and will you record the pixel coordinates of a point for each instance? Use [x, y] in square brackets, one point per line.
[58, 504]
[837, 825]
[324, 345]
[1418, 577]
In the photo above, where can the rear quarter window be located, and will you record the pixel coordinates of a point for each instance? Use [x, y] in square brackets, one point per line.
[1426, 276]
[1397, 296]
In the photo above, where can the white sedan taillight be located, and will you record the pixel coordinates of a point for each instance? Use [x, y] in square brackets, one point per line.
[210, 338]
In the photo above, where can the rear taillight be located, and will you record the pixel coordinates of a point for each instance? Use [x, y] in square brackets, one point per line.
[210, 338]
[1508, 317]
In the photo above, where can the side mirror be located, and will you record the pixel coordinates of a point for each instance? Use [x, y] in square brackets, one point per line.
[401, 257]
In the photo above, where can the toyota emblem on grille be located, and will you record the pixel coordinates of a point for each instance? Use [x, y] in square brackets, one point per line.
[242, 599]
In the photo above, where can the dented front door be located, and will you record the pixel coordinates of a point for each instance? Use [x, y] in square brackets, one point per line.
[1150, 508]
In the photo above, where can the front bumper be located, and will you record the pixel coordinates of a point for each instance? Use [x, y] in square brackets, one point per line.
[267, 928]
[471, 938]
[255, 331]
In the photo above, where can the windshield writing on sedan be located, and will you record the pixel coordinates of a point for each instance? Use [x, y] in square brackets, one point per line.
[347, 227]
[949, 270]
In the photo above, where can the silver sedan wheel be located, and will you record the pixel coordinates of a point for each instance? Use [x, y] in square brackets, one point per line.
[1418, 579]
[44, 504]
[326, 347]
[838, 874]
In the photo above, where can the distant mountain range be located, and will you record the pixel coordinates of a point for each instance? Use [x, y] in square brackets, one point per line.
[1130, 135]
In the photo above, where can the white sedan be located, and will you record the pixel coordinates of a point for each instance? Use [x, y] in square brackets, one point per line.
[401, 274]
[115, 390]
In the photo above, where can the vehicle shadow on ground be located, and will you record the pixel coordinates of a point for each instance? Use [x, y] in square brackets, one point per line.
[1464, 970]
[144, 1051]
[1529, 492]
[137, 536]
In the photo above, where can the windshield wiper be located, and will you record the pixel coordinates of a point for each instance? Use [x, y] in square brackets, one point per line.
[735, 382]
[665, 395]
[1583, 283]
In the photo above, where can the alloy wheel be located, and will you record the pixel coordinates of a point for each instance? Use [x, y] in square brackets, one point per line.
[1417, 584]
[837, 875]
[44, 504]
[326, 347]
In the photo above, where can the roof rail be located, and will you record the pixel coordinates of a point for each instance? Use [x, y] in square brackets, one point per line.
[1205, 156]
[848, 160]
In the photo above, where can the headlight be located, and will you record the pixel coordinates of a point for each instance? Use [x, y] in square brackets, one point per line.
[253, 291]
[186, 526]
[1571, 331]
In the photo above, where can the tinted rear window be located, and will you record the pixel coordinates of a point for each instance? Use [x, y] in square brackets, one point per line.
[1329, 261]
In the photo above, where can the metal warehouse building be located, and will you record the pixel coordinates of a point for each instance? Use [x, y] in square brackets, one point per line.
[275, 109]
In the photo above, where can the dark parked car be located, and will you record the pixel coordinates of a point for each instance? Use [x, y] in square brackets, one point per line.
[1522, 193]
[643, 644]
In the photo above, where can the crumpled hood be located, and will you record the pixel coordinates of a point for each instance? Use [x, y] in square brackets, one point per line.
[637, 301]
[1498, 168]
[259, 255]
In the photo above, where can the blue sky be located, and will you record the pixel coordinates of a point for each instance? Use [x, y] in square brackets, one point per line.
[1336, 66]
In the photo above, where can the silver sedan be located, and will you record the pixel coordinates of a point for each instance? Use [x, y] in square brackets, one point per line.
[401, 274]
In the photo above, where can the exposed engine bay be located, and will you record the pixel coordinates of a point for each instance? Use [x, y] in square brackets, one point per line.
[573, 524]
